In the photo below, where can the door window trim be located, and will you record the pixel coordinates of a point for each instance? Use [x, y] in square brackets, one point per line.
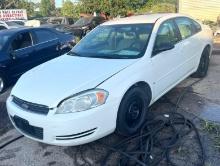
[45, 42]
[32, 42]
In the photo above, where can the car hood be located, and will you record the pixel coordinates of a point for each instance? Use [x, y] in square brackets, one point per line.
[53, 81]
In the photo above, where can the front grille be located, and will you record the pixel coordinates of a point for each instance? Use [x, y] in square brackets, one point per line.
[28, 129]
[36, 108]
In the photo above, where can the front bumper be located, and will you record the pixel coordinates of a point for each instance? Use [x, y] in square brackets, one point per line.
[64, 129]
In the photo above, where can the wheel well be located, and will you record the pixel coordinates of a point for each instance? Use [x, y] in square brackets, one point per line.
[145, 86]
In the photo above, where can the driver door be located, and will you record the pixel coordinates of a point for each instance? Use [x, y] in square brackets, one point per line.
[166, 63]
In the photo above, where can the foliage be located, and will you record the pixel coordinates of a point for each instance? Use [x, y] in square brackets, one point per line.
[8, 4]
[29, 6]
[122, 7]
[113, 7]
[213, 129]
[45, 7]
[158, 8]
[69, 9]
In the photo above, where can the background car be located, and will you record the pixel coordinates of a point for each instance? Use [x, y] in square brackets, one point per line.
[59, 27]
[23, 49]
[61, 20]
[9, 25]
[85, 24]
[19, 22]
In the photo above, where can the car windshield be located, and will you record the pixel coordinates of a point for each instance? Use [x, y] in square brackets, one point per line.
[3, 40]
[115, 42]
[83, 21]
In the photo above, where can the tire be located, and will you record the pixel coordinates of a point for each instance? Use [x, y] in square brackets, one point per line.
[2, 83]
[132, 111]
[203, 67]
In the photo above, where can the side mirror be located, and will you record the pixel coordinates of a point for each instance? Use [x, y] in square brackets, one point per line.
[163, 47]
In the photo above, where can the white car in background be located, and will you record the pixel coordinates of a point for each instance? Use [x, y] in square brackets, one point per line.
[109, 79]
[9, 25]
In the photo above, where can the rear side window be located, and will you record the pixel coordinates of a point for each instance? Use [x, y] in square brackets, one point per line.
[186, 27]
[45, 35]
[22, 40]
[197, 26]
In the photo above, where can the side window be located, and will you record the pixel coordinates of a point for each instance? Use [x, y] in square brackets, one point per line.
[197, 26]
[2, 27]
[185, 27]
[45, 35]
[167, 35]
[22, 40]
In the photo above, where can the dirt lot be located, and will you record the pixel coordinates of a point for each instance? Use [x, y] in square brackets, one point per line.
[201, 104]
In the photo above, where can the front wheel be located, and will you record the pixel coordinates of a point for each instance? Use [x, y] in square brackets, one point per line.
[203, 65]
[132, 111]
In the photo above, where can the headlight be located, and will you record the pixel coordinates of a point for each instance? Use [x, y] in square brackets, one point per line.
[83, 101]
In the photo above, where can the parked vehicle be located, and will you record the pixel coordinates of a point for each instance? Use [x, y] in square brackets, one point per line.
[109, 79]
[23, 49]
[19, 22]
[59, 27]
[85, 25]
[61, 20]
[9, 25]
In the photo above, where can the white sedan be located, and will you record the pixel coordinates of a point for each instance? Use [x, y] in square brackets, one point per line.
[109, 79]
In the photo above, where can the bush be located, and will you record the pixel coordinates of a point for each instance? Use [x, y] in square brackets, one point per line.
[158, 8]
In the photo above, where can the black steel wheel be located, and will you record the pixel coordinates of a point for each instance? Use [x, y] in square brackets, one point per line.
[132, 111]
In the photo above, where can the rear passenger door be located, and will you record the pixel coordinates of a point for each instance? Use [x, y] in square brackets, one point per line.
[46, 45]
[190, 42]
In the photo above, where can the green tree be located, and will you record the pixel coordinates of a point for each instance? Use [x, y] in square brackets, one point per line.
[29, 6]
[45, 7]
[9, 4]
[114, 7]
[67, 9]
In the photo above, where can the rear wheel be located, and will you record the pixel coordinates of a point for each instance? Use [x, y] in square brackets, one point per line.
[132, 111]
[203, 65]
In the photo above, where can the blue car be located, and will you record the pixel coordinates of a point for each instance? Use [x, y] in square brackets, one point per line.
[23, 49]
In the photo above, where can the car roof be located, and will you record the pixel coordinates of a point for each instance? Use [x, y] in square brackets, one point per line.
[147, 18]
[16, 30]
